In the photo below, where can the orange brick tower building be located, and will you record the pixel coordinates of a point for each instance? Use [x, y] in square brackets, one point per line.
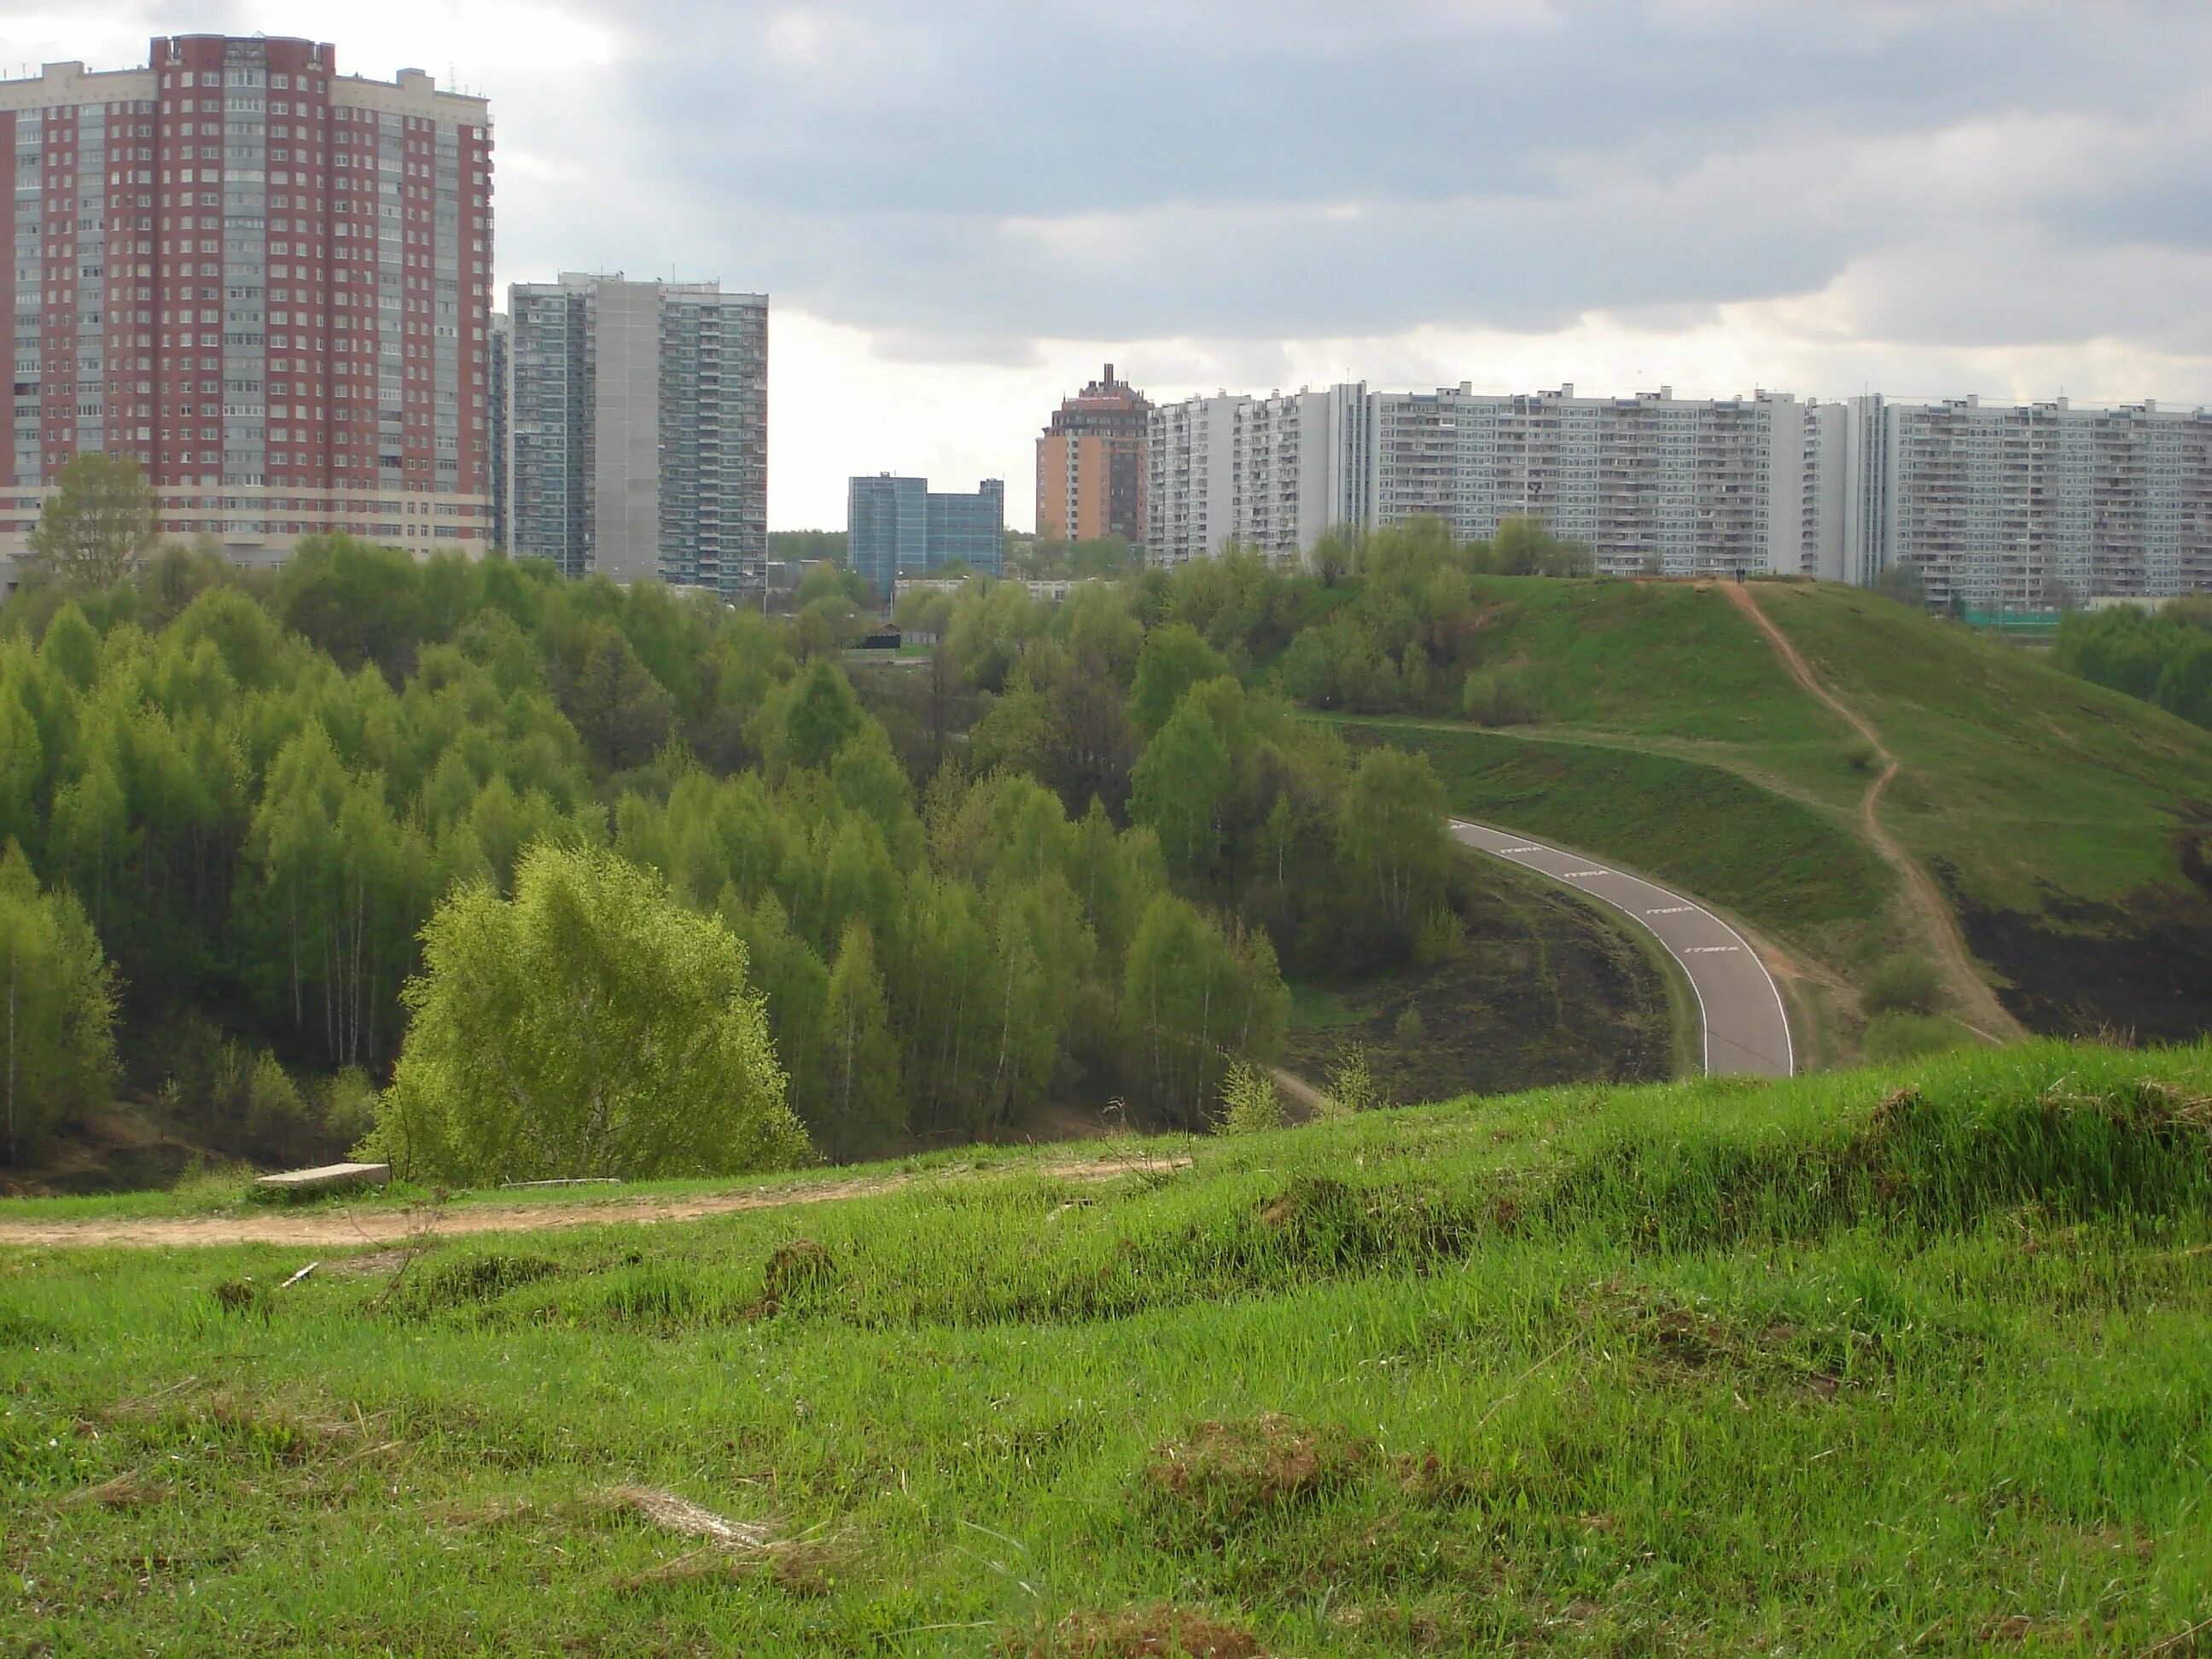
[1090, 465]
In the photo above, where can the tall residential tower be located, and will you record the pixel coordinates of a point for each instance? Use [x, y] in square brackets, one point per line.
[637, 430]
[1090, 465]
[266, 282]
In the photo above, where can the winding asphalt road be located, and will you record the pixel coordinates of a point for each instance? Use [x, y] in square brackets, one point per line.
[1746, 1027]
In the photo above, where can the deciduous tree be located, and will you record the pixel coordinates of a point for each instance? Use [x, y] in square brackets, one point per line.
[98, 525]
[591, 1025]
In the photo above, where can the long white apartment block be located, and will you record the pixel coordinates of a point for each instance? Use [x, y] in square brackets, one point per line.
[2017, 506]
[1651, 482]
[1997, 506]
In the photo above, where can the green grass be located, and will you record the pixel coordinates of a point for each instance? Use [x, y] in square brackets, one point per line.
[2028, 782]
[2052, 813]
[1785, 868]
[1837, 1366]
[1662, 659]
[2031, 784]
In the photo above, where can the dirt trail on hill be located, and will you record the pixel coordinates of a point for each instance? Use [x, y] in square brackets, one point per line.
[324, 1227]
[1984, 1015]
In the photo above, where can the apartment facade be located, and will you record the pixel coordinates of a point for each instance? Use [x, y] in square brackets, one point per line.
[899, 528]
[1091, 476]
[1651, 480]
[266, 282]
[1998, 508]
[2021, 507]
[636, 425]
[1275, 473]
[498, 347]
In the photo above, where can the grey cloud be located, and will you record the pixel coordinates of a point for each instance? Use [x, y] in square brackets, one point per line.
[973, 176]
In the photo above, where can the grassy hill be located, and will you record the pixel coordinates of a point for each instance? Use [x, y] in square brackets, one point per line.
[1827, 1365]
[2056, 817]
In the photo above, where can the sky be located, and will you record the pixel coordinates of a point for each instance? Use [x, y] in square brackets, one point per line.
[962, 208]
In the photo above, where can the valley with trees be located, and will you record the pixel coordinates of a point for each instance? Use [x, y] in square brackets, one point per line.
[1079, 854]
[1075, 859]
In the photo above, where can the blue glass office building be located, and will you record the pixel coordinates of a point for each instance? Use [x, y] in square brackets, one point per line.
[900, 527]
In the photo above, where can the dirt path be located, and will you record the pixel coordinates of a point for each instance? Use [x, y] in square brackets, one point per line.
[1299, 1092]
[1983, 1014]
[325, 1227]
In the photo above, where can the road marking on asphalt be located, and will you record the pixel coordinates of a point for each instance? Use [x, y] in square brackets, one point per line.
[1789, 1057]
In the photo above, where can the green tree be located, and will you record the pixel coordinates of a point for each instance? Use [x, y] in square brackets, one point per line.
[591, 1025]
[620, 711]
[1174, 658]
[58, 1005]
[1182, 783]
[1191, 1001]
[809, 720]
[864, 1110]
[98, 525]
[1390, 828]
[1335, 554]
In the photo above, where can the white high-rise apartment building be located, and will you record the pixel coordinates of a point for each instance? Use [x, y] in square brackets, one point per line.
[1691, 485]
[2011, 506]
[1997, 506]
[637, 430]
[1684, 485]
[1275, 473]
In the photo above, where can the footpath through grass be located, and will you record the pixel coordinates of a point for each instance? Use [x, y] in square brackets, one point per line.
[1854, 1364]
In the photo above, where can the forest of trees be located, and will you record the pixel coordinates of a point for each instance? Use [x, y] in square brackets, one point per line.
[1070, 858]
[2163, 656]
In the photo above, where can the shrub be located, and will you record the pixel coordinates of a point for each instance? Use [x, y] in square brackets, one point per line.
[1249, 1101]
[1901, 1035]
[1904, 985]
[1440, 936]
[1352, 1083]
[347, 1103]
[1496, 698]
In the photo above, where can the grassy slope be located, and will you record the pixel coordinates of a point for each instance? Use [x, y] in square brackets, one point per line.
[1787, 867]
[1546, 988]
[2027, 780]
[2048, 807]
[1702, 1368]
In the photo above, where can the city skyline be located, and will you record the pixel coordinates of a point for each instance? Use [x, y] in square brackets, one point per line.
[1713, 196]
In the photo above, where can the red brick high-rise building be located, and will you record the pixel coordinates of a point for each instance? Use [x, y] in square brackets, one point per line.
[268, 283]
[1090, 465]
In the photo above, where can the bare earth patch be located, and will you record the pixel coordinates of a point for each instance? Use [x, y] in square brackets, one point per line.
[323, 1227]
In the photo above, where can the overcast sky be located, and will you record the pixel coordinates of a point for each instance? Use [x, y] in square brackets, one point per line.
[960, 208]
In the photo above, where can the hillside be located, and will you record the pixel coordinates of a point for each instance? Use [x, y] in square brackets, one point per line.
[1823, 1366]
[1663, 729]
